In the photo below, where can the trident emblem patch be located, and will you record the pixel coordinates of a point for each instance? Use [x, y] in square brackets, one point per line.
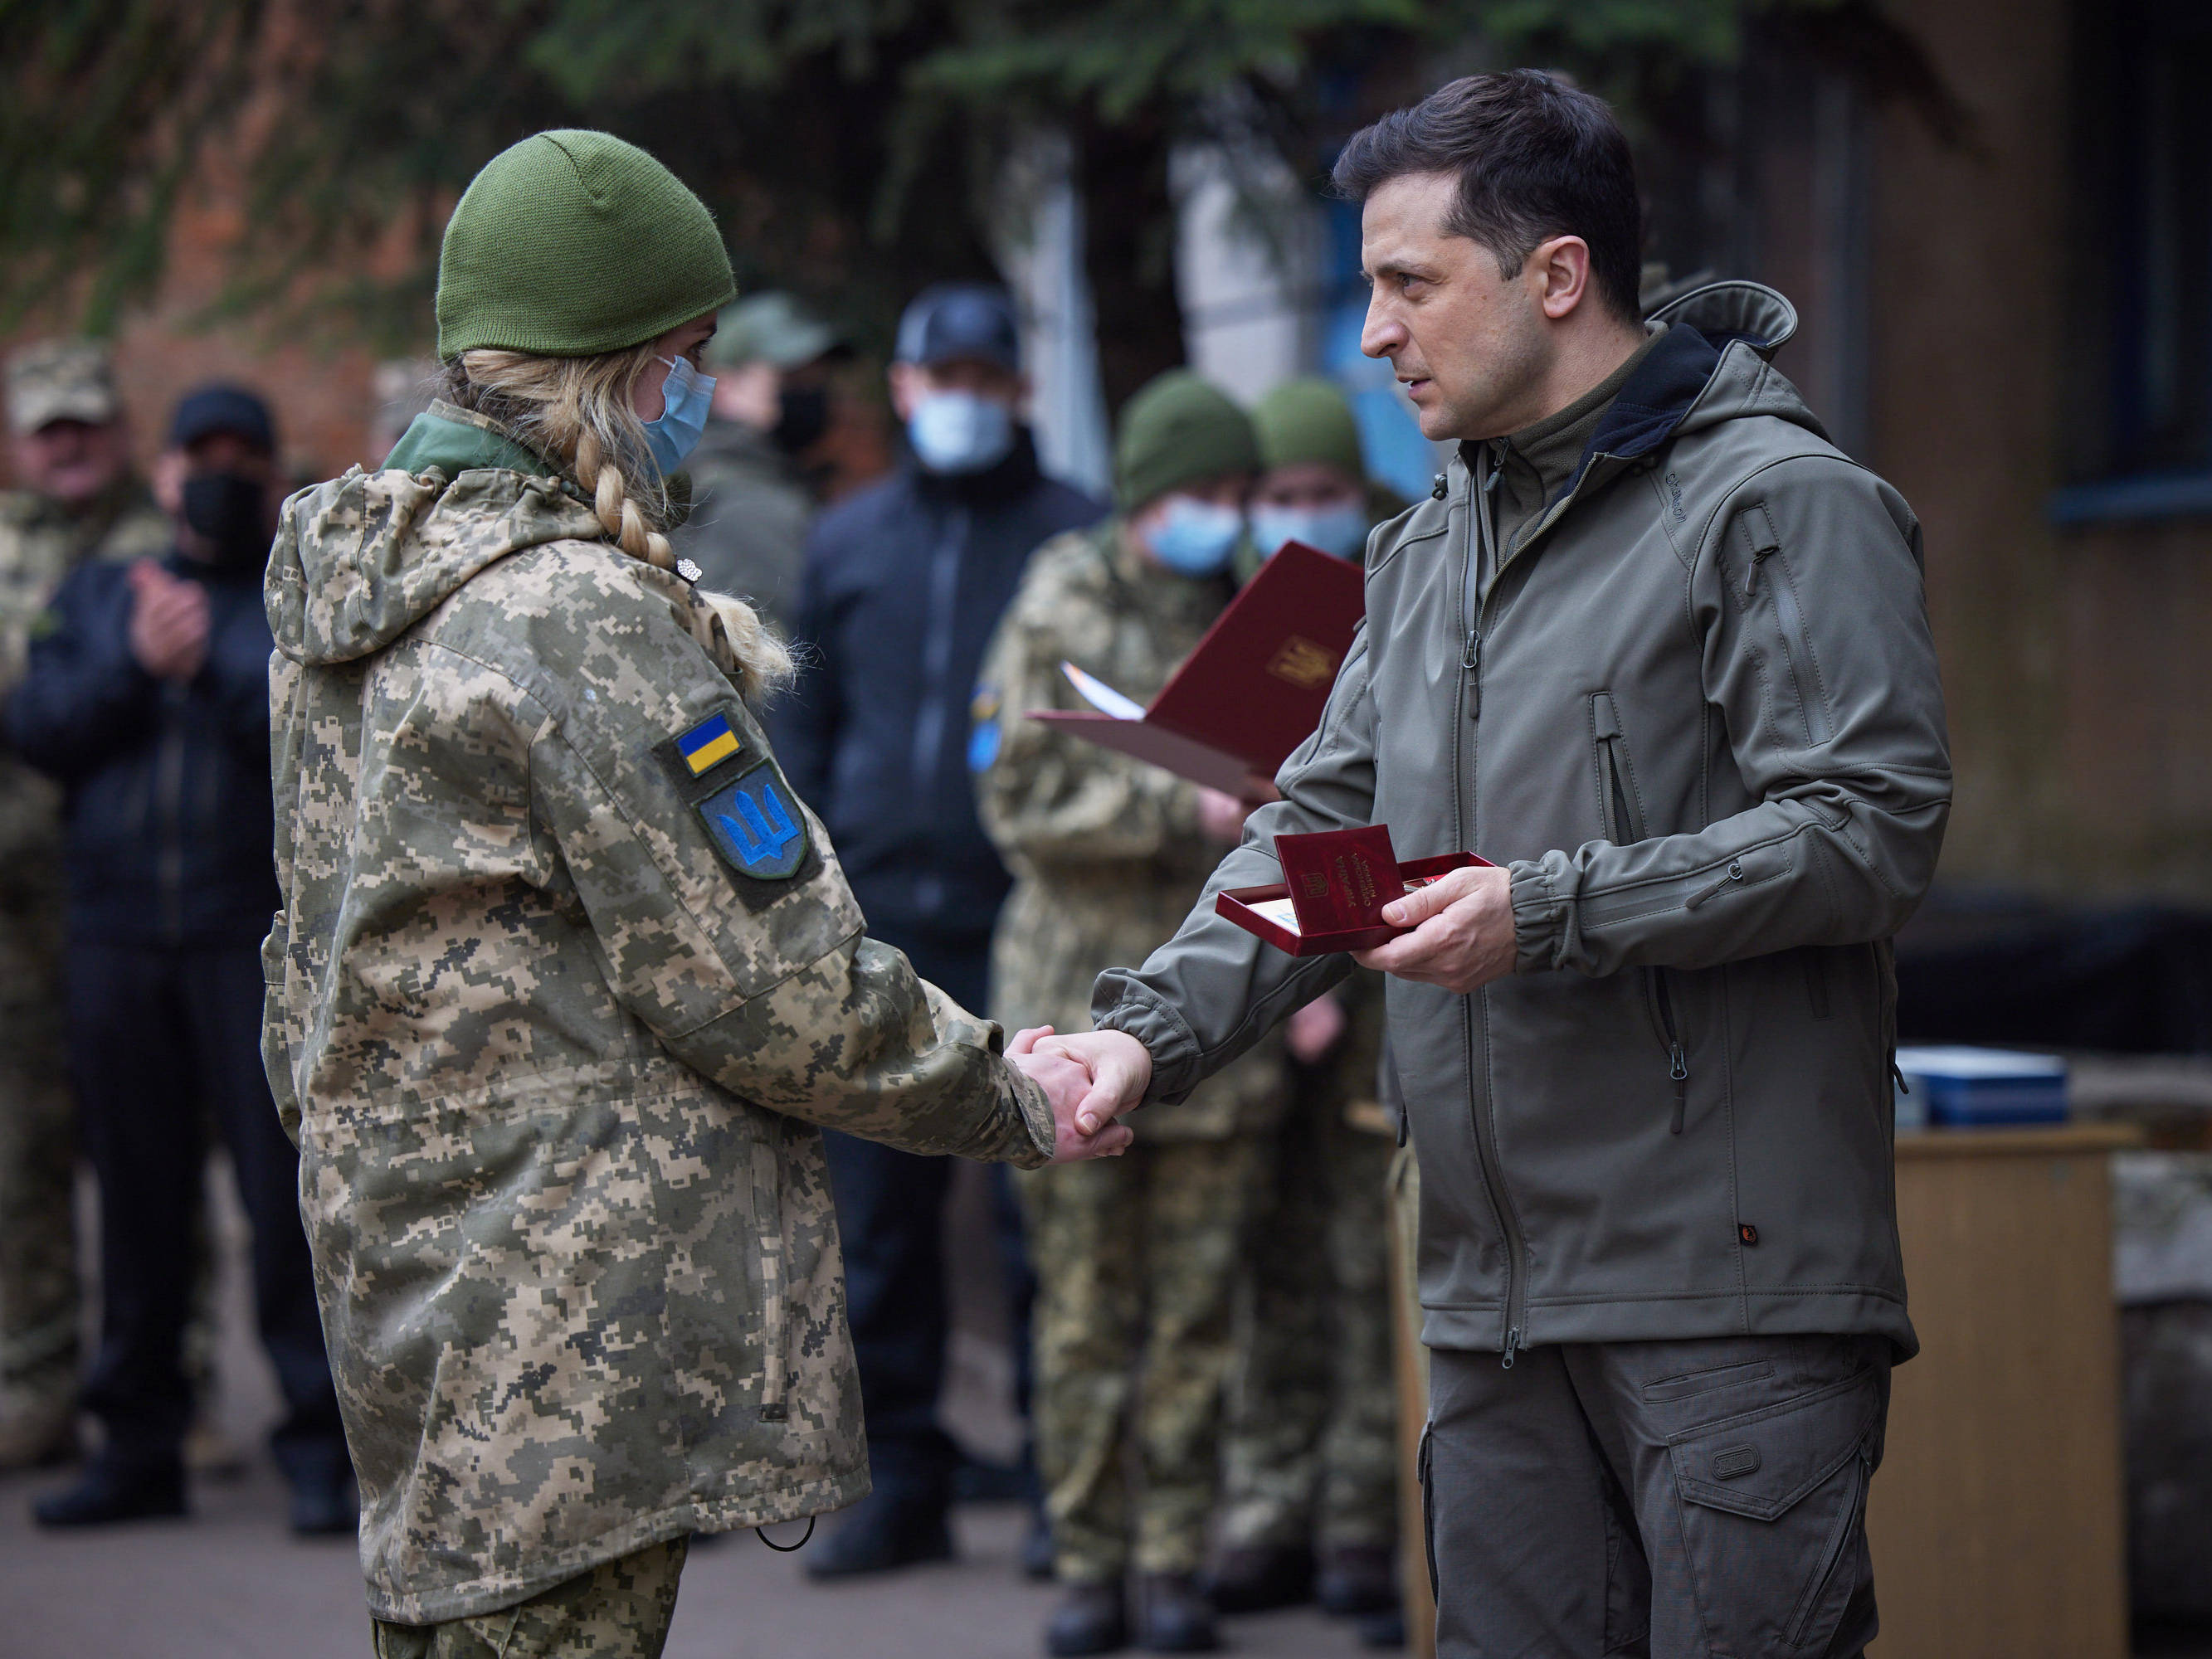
[756, 826]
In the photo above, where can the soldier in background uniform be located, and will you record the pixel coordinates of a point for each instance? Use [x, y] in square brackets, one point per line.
[78, 499]
[750, 506]
[1136, 1261]
[147, 696]
[1310, 1470]
[566, 973]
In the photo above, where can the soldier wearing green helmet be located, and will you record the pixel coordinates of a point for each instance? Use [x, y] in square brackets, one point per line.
[1309, 1458]
[1136, 1261]
[565, 976]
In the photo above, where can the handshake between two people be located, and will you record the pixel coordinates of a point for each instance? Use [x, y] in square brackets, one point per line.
[1460, 936]
[1091, 1078]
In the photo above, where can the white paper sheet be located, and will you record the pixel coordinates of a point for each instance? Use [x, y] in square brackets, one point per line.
[1100, 696]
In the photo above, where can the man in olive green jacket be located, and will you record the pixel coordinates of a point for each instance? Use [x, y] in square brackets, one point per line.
[1661, 652]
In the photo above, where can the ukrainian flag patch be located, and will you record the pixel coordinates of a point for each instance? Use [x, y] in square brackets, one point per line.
[707, 744]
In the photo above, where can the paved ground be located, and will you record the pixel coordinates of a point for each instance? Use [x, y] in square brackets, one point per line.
[232, 1583]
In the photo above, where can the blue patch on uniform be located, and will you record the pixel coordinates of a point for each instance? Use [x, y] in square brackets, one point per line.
[983, 746]
[983, 728]
[756, 826]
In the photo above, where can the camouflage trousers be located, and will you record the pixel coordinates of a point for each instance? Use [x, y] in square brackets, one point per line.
[1136, 1264]
[38, 1228]
[1309, 1454]
[618, 1610]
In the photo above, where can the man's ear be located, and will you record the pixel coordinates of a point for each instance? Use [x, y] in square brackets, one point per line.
[1562, 266]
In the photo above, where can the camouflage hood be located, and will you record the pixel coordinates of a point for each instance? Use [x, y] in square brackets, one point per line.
[362, 559]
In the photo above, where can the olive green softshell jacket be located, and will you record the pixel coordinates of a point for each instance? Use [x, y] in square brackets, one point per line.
[553, 1065]
[1696, 715]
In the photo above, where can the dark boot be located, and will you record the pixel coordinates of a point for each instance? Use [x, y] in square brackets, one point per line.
[1356, 1579]
[320, 1475]
[1036, 1547]
[883, 1530]
[1091, 1619]
[113, 1491]
[1174, 1616]
[1260, 1577]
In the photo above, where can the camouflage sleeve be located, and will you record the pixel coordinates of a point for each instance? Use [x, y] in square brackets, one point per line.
[764, 983]
[281, 1031]
[1047, 796]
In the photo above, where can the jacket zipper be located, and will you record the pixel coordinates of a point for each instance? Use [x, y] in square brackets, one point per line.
[1797, 642]
[1734, 873]
[169, 810]
[1485, 1152]
[934, 715]
[1654, 980]
[768, 1196]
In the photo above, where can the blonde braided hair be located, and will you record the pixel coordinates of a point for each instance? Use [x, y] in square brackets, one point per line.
[577, 412]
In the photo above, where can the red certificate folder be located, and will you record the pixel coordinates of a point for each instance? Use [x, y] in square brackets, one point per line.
[1253, 689]
[1335, 884]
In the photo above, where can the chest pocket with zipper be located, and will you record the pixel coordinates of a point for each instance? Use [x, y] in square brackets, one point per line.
[1771, 588]
[1622, 817]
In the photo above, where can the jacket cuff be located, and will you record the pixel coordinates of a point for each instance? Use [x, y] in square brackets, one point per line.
[1119, 1004]
[1539, 918]
[1035, 1111]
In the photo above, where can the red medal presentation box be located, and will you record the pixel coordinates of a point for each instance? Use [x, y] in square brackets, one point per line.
[1334, 886]
[1253, 688]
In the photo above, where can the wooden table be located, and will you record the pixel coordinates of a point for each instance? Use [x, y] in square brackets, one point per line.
[1996, 1518]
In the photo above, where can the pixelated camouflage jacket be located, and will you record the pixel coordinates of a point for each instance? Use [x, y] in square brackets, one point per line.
[39, 544]
[1105, 850]
[553, 1059]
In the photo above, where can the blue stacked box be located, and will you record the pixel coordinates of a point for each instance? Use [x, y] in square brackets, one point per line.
[1975, 1088]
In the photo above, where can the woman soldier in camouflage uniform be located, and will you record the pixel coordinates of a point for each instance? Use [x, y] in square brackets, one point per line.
[565, 975]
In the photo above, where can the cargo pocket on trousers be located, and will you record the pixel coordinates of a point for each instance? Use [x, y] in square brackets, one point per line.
[1772, 1506]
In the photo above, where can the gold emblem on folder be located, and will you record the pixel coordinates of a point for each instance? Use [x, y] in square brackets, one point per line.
[1302, 663]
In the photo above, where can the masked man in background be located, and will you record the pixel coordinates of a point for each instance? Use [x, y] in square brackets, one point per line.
[146, 697]
[905, 581]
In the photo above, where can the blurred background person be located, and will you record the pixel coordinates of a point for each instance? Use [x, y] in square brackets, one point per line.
[1136, 1268]
[1308, 1466]
[78, 500]
[904, 582]
[146, 697]
[751, 503]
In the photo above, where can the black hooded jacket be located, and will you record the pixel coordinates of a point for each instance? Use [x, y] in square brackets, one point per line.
[905, 582]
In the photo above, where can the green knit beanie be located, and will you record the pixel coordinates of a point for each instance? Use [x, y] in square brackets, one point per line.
[1177, 429]
[573, 244]
[1305, 421]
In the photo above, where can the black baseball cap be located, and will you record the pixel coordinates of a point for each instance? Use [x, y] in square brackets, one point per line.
[961, 321]
[231, 409]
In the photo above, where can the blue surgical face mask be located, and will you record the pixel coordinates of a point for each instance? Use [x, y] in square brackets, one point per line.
[686, 396]
[1194, 538]
[957, 432]
[1341, 530]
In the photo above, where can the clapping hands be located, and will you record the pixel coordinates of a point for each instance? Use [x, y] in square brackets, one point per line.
[1091, 1079]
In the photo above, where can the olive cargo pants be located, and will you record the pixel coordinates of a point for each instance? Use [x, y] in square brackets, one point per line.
[1662, 1500]
[1136, 1265]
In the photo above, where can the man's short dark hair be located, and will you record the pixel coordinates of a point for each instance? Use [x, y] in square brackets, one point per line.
[1536, 158]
